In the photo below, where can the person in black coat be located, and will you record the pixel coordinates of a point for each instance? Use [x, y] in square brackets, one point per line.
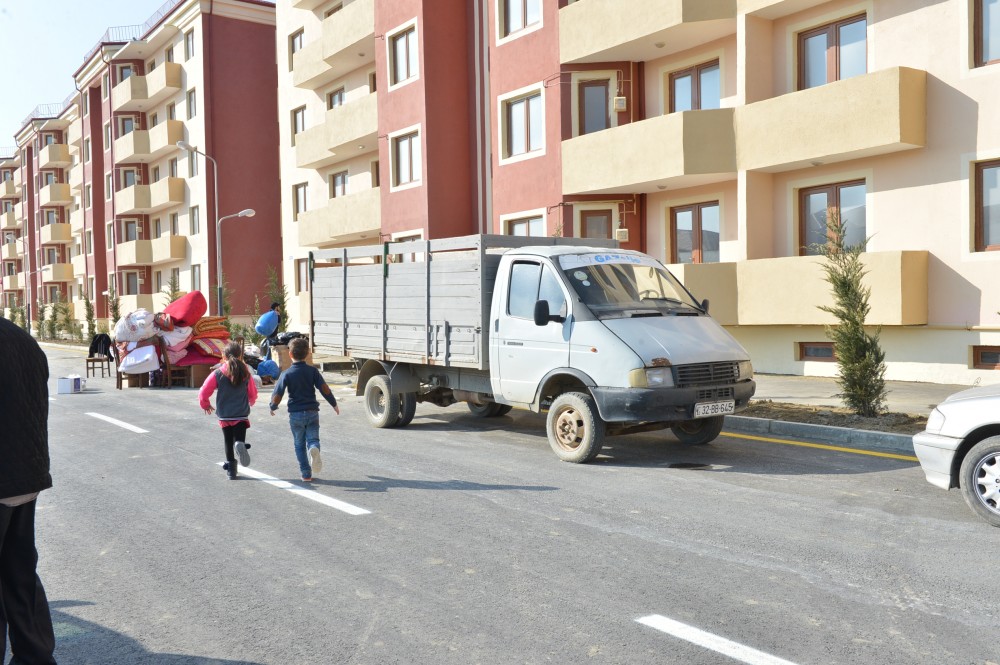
[24, 472]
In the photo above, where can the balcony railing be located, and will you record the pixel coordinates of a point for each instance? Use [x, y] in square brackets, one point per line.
[57, 234]
[9, 189]
[142, 146]
[348, 131]
[56, 194]
[143, 199]
[54, 155]
[142, 93]
[76, 221]
[76, 177]
[9, 221]
[168, 248]
[57, 273]
[348, 42]
[13, 282]
[79, 265]
[9, 251]
[134, 253]
[348, 218]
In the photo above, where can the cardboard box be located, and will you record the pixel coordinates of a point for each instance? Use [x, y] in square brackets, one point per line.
[198, 375]
[66, 385]
[285, 358]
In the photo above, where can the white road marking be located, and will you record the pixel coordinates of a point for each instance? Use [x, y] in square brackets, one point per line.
[303, 492]
[718, 644]
[127, 426]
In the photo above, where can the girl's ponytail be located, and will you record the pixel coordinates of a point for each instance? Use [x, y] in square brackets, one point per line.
[238, 373]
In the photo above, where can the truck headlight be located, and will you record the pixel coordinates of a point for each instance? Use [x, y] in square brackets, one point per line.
[651, 377]
[935, 421]
[746, 370]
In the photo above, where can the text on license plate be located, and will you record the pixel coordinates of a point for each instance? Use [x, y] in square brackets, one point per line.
[705, 409]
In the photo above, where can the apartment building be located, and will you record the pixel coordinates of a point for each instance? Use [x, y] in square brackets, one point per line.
[716, 135]
[111, 202]
[13, 254]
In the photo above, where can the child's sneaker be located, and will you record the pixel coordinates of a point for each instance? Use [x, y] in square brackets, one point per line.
[230, 469]
[241, 452]
[315, 461]
[307, 479]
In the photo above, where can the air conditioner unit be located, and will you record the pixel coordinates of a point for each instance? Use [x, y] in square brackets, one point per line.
[621, 104]
[621, 235]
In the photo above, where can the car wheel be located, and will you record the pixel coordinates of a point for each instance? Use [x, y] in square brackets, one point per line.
[381, 405]
[979, 478]
[698, 431]
[575, 429]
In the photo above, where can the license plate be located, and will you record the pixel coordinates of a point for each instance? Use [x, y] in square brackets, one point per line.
[706, 409]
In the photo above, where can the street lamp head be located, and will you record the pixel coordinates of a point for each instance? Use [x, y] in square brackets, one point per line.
[249, 212]
[184, 145]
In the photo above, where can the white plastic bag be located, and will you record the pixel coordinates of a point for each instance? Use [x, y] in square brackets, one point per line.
[179, 335]
[140, 361]
[135, 326]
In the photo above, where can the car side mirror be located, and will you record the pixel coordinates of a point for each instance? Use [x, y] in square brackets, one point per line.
[542, 314]
[704, 305]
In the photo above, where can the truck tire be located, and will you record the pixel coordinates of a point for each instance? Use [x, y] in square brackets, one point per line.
[491, 410]
[698, 431]
[407, 408]
[979, 479]
[504, 409]
[575, 429]
[381, 405]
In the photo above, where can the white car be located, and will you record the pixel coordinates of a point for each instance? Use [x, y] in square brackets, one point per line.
[961, 448]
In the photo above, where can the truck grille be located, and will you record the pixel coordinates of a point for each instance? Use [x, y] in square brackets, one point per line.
[712, 394]
[707, 374]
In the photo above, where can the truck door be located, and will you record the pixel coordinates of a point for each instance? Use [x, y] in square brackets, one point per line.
[525, 352]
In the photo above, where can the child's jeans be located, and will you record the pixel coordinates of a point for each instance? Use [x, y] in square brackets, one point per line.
[305, 430]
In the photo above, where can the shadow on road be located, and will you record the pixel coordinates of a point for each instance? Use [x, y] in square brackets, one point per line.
[383, 484]
[80, 642]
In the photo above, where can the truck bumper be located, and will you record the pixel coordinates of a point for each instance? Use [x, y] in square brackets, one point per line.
[936, 454]
[618, 405]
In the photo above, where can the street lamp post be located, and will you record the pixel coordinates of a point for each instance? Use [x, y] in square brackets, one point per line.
[184, 145]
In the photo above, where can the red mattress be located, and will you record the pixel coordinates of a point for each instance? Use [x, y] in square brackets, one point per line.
[186, 310]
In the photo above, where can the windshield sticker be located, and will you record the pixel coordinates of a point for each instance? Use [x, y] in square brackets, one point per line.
[585, 283]
[579, 274]
[571, 261]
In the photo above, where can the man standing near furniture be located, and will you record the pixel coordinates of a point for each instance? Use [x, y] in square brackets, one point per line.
[24, 472]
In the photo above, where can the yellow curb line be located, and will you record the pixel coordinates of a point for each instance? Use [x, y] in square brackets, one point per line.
[854, 451]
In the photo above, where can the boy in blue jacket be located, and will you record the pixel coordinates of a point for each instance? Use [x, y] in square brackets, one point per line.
[301, 381]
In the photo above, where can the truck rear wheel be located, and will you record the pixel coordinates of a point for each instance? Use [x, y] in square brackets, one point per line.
[698, 431]
[490, 410]
[575, 429]
[407, 408]
[381, 404]
[980, 479]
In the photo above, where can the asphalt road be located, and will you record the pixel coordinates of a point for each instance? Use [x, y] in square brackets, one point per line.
[472, 543]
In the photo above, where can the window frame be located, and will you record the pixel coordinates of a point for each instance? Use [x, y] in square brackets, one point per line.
[582, 104]
[339, 93]
[189, 45]
[978, 219]
[298, 114]
[333, 187]
[802, 357]
[694, 71]
[192, 103]
[697, 251]
[194, 220]
[297, 208]
[526, 220]
[506, 104]
[408, 30]
[301, 279]
[832, 49]
[834, 195]
[977, 357]
[296, 42]
[504, 32]
[977, 36]
[413, 136]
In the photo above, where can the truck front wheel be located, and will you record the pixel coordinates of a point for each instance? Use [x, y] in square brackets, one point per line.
[575, 429]
[381, 404]
[488, 410]
[698, 431]
[980, 479]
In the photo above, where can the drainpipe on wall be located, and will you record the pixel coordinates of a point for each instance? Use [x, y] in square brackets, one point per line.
[484, 146]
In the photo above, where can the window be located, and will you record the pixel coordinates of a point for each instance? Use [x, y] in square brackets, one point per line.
[150, 66]
[192, 164]
[124, 71]
[86, 196]
[108, 186]
[172, 167]
[158, 281]
[818, 351]
[109, 237]
[171, 111]
[301, 275]
[107, 135]
[298, 121]
[694, 233]
[154, 119]
[192, 104]
[299, 200]
[175, 276]
[403, 58]
[105, 85]
[168, 55]
[372, 82]
[295, 43]
[986, 357]
[530, 282]
[155, 174]
[524, 125]
[92, 286]
[86, 150]
[86, 102]
[696, 88]
[595, 223]
[129, 177]
[194, 219]
[375, 174]
[338, 184]
[833, 52]
[819, 205]
[88, 242]
[189, 44]
[527, 226]
[157, 227]
[987, 29]
[335, 98]
[520, 14]
[175, 228]
[988, 206]
[50, 217]
[406, 159]
[593, 100]
[196, 278]
[130, 230]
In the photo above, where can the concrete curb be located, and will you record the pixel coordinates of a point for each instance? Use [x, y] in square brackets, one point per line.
[885, 442]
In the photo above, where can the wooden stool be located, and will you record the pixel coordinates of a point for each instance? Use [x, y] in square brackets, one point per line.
[100, 361]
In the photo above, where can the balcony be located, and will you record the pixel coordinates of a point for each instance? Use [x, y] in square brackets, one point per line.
[755, 293]
[76, 177]
[599, 31]
[144, 199]
[13, 282]
[54, 156]
[9, 221]
[344, 219]
[822, 124]
[57, 273]
[142, 93]
[692, 148]
[56, 194]
[74, 136]
[134, 302]
[76, 221]
[9, 189]
[168, 249]
[143, 146]
[347, 34]
[347, 131]
[9, 251]
[134, 253]
[57, 234]
[79, 265]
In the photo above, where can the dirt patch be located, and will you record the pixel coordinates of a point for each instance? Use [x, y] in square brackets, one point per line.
[896, 423]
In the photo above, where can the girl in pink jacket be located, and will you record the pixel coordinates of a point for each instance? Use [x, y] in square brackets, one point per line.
[237, 393]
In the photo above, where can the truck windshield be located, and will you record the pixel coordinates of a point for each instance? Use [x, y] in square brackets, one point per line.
[625, 285]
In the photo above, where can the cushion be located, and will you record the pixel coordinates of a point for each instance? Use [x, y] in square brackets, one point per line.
[186, 310]
[195, 357]
[210, 347]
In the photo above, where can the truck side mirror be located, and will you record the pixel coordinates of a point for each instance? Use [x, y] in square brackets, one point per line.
[543, 316]
[704, 305]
